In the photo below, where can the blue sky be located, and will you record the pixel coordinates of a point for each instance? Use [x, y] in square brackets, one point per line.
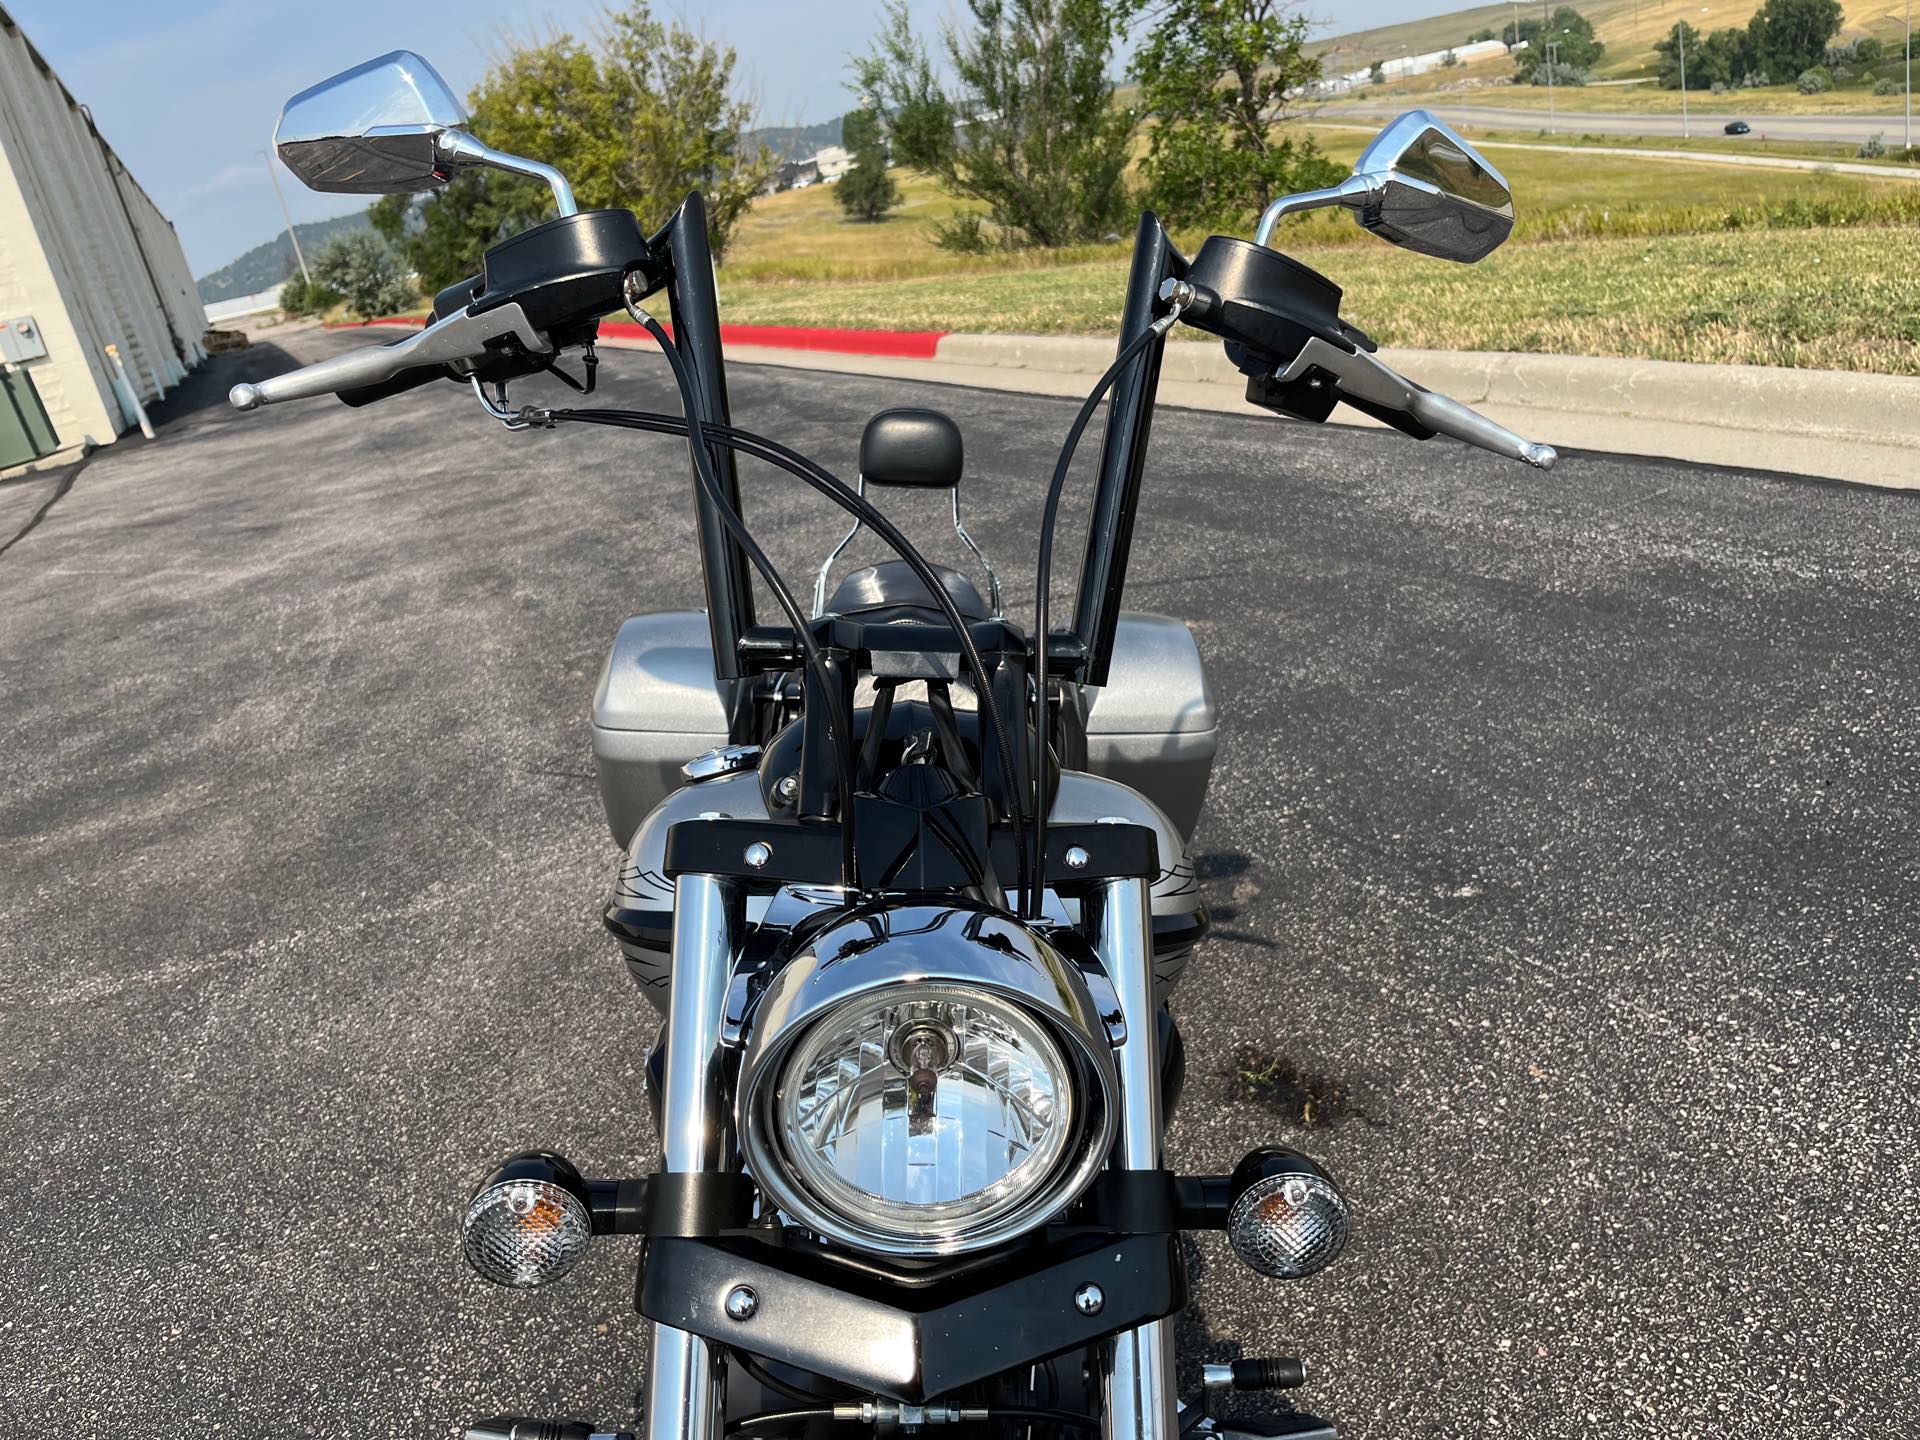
[187, 91]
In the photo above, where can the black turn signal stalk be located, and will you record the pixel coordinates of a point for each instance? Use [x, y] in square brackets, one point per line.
[1276, 1372]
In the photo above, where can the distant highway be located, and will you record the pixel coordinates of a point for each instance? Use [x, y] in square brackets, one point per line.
[1849, 128]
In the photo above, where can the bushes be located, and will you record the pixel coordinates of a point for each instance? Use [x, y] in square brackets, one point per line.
[298, 298]
[1885, 87]
[1874, 148]
[1814, 81]
[360, 269]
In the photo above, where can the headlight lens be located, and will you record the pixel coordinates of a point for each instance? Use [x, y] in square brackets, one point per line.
[925, 1080]
[925, 1106]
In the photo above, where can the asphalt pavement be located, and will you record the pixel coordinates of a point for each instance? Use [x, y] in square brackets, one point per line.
[1702, 121]
[1561, 848]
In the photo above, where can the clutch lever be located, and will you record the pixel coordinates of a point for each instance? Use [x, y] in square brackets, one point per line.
[1361, 376]
[459, 339]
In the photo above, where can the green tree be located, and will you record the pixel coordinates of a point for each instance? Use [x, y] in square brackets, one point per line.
[866, 192]
[1377, 73]
[634, 122]
[1032, 130]
[1567, 30]
[1789, 36]
[1716, 59]
[298, 297]
[362, 270]
[1215, 77]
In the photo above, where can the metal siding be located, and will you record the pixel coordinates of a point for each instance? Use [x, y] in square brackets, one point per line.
[73, 227]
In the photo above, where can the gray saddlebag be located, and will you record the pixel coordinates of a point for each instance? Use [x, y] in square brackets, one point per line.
[657, 707]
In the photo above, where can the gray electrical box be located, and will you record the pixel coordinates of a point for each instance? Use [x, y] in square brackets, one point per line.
[20, 340]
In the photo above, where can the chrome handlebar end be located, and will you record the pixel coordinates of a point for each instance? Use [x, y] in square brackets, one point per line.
[245, 397]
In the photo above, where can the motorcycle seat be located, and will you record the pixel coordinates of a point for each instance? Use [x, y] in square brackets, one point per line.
[891, 591]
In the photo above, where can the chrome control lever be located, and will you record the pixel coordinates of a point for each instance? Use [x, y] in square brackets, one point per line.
[1363, 377]
[456, 339]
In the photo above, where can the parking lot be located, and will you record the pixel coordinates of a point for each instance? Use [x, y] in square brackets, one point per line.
[1561, 849]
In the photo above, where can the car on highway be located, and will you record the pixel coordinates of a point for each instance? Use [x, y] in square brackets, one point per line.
[1738, 127]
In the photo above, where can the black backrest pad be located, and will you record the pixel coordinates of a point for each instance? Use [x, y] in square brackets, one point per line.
[911, 447]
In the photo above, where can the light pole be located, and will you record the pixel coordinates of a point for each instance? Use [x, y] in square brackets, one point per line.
[1686, 127]
[1553, 59]
[1909, 75]
[280, 195]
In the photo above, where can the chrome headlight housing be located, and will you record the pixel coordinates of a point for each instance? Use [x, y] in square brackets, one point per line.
[926, 1080]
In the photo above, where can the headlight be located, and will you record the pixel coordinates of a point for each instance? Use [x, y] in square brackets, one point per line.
[926, 1081]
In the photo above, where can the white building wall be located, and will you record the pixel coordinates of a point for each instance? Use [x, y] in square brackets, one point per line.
[73, 230]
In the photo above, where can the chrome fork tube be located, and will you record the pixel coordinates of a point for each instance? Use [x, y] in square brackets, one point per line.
[1139, 1383]
[683, 1395]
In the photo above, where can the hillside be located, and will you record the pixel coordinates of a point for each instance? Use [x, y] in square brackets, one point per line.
[267, 264]
[1628, 28]
[796, 142]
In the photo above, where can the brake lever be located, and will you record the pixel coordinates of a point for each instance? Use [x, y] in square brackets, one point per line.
[457, 339]
[1363, 377]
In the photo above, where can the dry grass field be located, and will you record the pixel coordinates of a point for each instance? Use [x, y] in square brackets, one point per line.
[1612, 255]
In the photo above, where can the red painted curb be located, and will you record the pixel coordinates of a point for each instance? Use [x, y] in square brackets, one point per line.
[897, 344]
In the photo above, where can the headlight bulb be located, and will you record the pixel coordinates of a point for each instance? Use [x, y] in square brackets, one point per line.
[920, 1050]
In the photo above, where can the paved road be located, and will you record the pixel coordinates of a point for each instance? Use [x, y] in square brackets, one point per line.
[1562, 842]
[1849, 128]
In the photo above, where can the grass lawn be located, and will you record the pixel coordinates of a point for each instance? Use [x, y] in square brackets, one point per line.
[1828, 299]
[801, 236]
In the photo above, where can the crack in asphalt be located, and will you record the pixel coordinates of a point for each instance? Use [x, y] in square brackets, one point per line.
[59, 493]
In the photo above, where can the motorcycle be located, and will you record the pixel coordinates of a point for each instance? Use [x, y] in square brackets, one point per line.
[908, 883]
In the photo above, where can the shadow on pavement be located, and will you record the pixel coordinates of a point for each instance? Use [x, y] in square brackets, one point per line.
[199, 399]
[206, 388]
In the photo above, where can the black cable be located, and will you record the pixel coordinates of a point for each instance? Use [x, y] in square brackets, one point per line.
[1188, 1425]
[839, 729]
[1037, 884]
[826, 483]
[779, 1417]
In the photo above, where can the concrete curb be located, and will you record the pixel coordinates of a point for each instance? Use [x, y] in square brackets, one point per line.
[1879, 409]
[1863, 428]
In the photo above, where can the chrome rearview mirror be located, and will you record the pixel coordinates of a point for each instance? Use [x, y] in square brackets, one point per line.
[389, 127]
[1422, 187]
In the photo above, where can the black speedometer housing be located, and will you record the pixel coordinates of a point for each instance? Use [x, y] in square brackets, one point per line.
[568, 272]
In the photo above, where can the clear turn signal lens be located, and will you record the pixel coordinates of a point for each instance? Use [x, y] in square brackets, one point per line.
[528, 1223]
[1287, 1219]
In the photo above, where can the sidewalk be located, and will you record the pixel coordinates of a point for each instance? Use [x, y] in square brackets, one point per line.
[1841, 426]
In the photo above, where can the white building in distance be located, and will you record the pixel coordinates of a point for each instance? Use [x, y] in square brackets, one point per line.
[1402, 66]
